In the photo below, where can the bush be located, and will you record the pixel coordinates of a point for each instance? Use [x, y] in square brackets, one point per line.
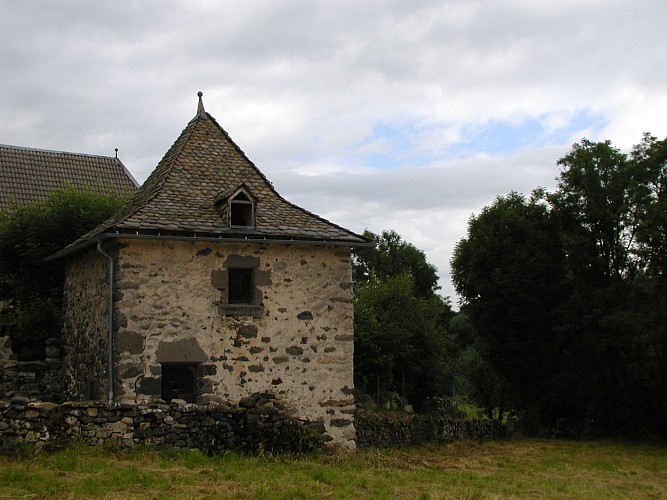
[34, 322]
[30, 288]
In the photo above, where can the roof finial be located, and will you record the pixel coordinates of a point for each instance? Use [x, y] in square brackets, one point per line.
[200, 107]
[116, 149]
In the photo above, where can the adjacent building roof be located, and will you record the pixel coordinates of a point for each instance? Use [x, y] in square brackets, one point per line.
[182, 196]
[28, 175]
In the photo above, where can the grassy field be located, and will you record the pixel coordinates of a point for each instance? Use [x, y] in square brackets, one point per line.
[519, 469]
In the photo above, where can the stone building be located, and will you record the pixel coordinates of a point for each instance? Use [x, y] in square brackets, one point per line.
[209, 286]
[30, 175]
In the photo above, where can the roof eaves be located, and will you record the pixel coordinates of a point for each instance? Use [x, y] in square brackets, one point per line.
[231, 238]
[149, 190]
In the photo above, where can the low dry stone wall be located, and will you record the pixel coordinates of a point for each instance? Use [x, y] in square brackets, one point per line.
[258, 423]
[35, 379]
[384, 429]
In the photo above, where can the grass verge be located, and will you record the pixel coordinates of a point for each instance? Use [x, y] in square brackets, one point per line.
[518, 469]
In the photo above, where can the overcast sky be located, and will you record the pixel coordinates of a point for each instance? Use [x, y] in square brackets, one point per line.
[404, 115]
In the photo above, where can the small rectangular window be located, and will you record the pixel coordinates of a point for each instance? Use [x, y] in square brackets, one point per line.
[240, 289]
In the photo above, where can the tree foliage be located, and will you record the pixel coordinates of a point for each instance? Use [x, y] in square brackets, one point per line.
[399, 340]
[567, 293]
[37, 230]
[510, 271]
[594, 203]
[474, 378]
[649, 160]
[32, 287]
[400, 322]
[391, 256]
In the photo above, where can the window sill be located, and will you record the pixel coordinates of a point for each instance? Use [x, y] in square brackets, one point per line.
[256, 311]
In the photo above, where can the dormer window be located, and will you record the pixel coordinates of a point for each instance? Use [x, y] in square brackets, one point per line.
[237, 208]
[241, 210]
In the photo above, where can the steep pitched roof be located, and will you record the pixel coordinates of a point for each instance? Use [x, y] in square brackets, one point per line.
[28, 175]
[204, 164]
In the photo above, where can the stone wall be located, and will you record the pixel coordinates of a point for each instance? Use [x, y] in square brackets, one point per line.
[258, 423]
[85, 329]
[170, 307]
[36, 379]
[383, 429]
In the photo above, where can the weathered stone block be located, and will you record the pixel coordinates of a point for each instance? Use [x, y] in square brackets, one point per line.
[149, 386]
[53, 351]
[180, 351]
[130, 370]
[305, 315]
[248, 331]
[130, 342]
[294, 350]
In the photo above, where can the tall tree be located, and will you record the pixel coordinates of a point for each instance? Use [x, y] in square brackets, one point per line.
[649, 162]
[509, 273]
[609, 205]
[400, 322]
[567, 290]
[392, 256]
[400, 341]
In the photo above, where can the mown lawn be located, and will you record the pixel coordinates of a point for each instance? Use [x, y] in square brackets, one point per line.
[519, 469]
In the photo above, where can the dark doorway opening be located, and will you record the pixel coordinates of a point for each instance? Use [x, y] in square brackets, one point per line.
[178, 381]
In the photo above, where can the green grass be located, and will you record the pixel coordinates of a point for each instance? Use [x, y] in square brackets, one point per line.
[502, 469]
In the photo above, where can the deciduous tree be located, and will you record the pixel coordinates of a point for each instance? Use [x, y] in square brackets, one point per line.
[392, 256]
[509, 273]
[567, 290]
[400, 322]
[32, 288]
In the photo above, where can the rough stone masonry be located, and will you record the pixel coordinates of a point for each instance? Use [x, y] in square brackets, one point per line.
[170, 308]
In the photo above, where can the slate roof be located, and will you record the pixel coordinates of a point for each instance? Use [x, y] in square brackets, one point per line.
[28, 175]
[179, 197]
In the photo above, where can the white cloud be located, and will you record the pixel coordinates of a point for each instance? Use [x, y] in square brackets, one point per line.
[429, 206]
[320, 94]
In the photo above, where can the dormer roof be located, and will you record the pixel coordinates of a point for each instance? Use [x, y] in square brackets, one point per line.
[229, 193]
[179, 197]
